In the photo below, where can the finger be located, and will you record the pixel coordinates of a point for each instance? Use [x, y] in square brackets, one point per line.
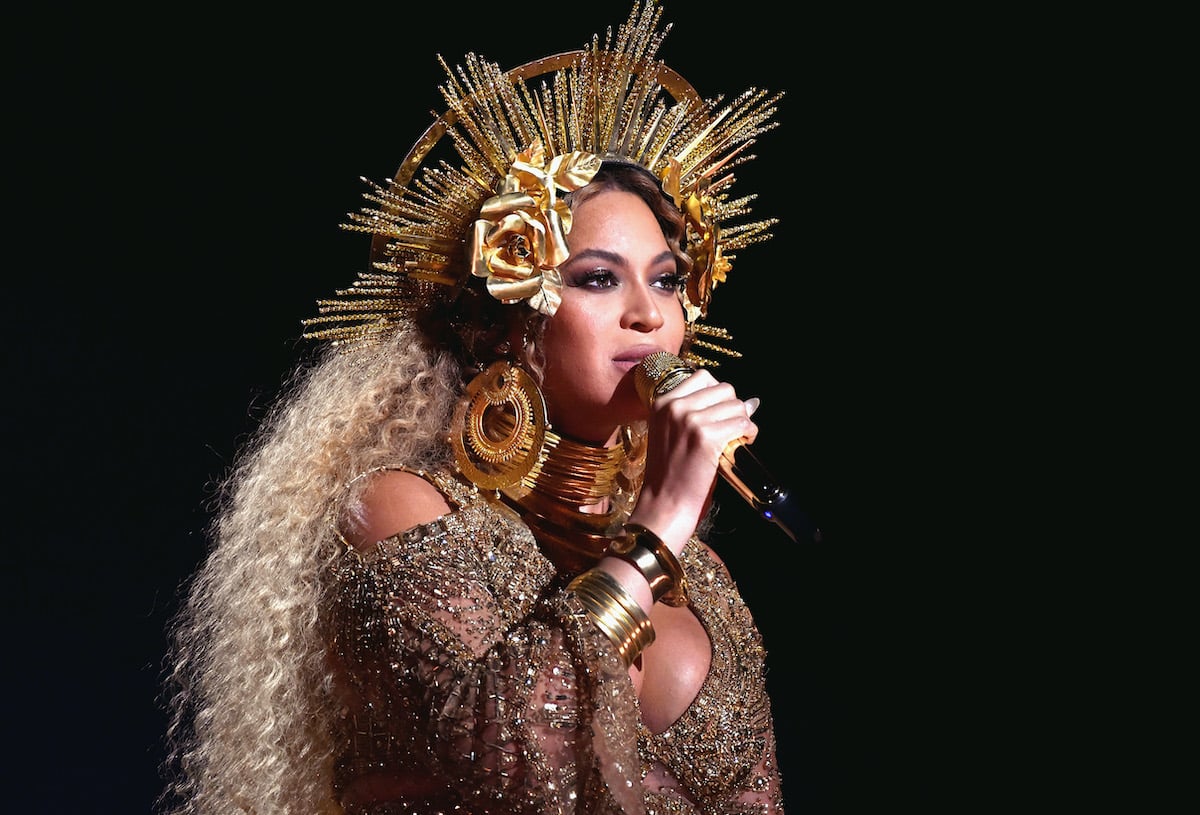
[699, 393]
[697, 381]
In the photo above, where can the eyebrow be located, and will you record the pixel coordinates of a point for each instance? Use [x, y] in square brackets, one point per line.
[615, 258]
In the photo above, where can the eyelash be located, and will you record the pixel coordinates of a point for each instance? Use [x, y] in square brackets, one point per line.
[672, 282]
[677, 281]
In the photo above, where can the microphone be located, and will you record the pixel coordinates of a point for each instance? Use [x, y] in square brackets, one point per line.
[661, 372]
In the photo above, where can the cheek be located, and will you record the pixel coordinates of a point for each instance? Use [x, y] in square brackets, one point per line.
[572, 332]
[566, 344]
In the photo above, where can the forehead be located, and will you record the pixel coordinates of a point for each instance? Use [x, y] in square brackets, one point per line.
[614, 216]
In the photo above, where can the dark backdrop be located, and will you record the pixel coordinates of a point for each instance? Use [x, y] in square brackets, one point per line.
[179, 182]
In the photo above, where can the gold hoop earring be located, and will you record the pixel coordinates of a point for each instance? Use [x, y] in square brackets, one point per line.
[499, 427]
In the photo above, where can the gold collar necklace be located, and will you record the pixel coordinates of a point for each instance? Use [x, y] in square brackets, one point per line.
[570, 479]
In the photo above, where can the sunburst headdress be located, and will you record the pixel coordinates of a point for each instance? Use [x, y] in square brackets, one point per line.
[500, 214]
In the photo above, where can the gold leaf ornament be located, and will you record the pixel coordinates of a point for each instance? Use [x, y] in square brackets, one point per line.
[702, 242]
[520, 239]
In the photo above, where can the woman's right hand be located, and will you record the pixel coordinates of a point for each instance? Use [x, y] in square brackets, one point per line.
[689, 427]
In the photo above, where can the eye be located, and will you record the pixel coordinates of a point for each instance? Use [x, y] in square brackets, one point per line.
[675, 281]
[594, 279]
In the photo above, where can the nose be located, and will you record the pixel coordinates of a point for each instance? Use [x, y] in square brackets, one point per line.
[642, 309]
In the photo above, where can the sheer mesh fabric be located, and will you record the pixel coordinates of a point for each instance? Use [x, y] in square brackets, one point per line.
[471, 678]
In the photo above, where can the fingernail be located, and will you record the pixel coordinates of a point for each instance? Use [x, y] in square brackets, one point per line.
[751, 405]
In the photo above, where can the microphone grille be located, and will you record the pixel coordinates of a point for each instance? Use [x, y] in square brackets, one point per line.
[658, 373]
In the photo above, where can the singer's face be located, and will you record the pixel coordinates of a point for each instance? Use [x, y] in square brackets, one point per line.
[620, 302]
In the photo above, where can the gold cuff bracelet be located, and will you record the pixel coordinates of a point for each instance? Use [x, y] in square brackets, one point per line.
[615, 612]
[646, 562]
[672, 591]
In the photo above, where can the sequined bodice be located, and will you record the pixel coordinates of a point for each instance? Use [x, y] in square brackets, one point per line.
[473, 678]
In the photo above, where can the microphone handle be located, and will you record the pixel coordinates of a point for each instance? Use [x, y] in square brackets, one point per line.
[742, 470]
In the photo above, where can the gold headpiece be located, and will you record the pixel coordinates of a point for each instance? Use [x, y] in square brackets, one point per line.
[499, 214]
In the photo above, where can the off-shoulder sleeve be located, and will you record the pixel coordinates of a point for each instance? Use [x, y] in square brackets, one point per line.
[472, 677]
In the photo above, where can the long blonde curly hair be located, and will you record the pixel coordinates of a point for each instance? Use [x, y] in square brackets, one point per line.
[249, 705]
[248, 686]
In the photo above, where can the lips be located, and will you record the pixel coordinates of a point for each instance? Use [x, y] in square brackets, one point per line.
[633, 356]
[629, 359]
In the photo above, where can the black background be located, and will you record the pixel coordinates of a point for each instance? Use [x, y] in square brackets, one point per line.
[178, 186]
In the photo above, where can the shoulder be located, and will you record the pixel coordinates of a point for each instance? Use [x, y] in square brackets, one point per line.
[393, 501]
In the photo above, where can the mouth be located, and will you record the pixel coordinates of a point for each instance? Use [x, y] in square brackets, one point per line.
[629, 359]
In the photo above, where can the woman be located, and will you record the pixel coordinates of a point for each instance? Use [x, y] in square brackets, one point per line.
[460, 566]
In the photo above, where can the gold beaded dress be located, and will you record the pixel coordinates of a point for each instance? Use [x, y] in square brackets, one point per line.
[473, 681]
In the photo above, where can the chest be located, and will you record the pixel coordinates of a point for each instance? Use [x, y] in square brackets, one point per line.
[673, 668]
